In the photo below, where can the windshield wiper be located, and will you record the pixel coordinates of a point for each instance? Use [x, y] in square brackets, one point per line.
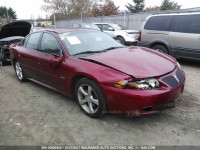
[110, 48]
[87, 52]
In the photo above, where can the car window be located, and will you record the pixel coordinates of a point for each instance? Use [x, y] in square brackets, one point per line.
[107, 27]
[33, 41]
[99, 26]
[159, 23]
[49, 44]
[81, 41]
[186, 23]
[25, 41]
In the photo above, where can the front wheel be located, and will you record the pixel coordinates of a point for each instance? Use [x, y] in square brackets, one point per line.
[90, 98]
[19, 71]
[160, 48]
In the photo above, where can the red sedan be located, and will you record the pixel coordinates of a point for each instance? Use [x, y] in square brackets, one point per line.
[102, 75]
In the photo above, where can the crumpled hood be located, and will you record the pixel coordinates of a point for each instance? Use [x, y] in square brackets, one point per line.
[135, 61]
[12, 39]
[18, 28]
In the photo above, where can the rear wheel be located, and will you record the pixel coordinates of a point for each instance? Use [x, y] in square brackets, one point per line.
[90, 98]
[121, 39]
[160, 48]
[19, 71]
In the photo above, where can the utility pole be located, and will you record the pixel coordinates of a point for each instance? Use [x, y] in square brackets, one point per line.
[54, 17]
[124, 18]
[81, 16]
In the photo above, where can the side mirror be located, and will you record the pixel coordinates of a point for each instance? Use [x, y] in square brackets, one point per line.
[56, 60]
[111, 29]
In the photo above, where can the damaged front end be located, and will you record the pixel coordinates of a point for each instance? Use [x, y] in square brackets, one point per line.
[9, 34]
[4, 48]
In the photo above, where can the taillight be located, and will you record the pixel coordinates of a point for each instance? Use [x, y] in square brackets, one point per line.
[140, 34]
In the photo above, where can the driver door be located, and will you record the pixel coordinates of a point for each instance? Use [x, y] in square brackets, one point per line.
[52, 62]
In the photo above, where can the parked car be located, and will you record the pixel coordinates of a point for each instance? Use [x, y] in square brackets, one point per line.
[82, 25]
[88, 25]
[124, 35]
[101, 73]
[175, 34]
[11, 33]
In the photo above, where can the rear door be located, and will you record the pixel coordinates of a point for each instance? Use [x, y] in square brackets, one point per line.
[185, 36]
[28, 55]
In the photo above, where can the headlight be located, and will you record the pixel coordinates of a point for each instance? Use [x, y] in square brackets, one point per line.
[178, 64]
[142, 84]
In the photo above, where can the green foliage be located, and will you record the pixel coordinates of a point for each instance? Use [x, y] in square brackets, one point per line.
[169, 5]
[138, 7]
[7, 13]
[150, 9]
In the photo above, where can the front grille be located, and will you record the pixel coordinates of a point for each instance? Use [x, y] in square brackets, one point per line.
[171, 81]
[179, 75]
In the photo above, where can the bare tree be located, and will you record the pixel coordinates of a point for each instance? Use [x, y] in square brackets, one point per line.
[55, 6]
[77, 7]
[108, 8]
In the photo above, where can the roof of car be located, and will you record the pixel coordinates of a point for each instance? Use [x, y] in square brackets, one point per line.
[104, 23]
[174, 14]
[59, 31]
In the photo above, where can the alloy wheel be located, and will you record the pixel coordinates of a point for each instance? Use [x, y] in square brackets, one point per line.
[88, 99]
[18, 70]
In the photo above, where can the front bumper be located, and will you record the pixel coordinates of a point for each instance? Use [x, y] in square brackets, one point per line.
[143, 102]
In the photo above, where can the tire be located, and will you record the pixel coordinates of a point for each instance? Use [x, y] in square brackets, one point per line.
[19, 71]
[121, 39]
[90, 98]
[160, 48]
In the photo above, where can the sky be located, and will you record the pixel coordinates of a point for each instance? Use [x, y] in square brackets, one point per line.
[27, 9]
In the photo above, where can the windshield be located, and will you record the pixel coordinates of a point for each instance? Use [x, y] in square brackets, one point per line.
[88, 42]
[119, 27]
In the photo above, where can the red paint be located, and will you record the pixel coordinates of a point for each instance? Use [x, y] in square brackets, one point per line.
[136, 61]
